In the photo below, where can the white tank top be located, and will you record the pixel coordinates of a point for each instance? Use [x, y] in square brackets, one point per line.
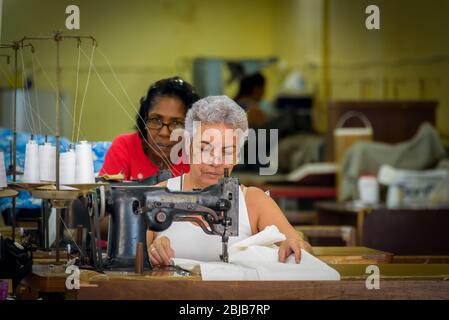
[188, 241]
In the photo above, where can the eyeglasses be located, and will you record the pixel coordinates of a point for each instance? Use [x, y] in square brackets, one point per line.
[157, 124]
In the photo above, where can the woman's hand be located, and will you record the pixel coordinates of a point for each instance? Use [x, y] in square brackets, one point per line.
[290, 246]
[160, 252]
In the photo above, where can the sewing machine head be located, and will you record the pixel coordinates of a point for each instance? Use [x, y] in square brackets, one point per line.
[214, 209]
[134, 208]
[216, 204]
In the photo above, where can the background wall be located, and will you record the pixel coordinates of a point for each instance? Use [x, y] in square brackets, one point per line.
[148, 40]
[407, 59]
[144, 40]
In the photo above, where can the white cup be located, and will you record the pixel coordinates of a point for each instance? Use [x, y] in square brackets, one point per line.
[394, 196]
[368, 189]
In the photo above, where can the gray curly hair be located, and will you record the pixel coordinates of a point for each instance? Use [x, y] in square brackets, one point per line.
[217, 109]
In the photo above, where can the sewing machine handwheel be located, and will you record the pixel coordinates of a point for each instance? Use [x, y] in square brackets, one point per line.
[159, 219]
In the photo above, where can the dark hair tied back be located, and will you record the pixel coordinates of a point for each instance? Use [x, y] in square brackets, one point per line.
[170, 87]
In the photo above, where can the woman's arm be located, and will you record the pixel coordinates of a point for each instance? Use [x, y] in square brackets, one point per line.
[266, 212]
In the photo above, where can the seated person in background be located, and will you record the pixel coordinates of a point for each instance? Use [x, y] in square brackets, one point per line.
[208, 162]
[249, 97]
[142, 154]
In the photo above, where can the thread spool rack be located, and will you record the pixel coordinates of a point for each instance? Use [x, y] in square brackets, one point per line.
[58, 196]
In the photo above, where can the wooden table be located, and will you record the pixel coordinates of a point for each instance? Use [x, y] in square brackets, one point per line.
[333, 213]
[352, 255]
[332, 255]
[397, 281]
[408, 232]
[345, 233]
[421, 259]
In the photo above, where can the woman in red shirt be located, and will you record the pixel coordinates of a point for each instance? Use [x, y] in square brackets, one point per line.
[141, 154]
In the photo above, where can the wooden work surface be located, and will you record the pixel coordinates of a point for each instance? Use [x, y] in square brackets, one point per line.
[352, 255]
[398, 281]
[330, 255]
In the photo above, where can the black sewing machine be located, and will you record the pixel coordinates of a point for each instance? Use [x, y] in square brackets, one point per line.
[85, 214]
[136, 208]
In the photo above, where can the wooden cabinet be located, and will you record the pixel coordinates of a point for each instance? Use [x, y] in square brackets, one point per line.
[408, 232]
[392, 120]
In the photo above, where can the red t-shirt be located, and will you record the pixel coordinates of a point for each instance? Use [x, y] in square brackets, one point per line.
[126, 156]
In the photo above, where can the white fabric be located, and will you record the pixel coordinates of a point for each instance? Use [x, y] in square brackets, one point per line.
[256, 258]
[188, 241]
[267, 237]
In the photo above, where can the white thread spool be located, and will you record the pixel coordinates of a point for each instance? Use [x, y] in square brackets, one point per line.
[3, 182]
[47, 162]
[31, 171]
[67, 167]
[84, 172]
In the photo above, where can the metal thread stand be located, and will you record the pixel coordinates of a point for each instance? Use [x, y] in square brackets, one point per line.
[59, 199]
[16, 45]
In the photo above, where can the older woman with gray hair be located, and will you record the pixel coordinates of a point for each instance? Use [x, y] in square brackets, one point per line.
[218, 126]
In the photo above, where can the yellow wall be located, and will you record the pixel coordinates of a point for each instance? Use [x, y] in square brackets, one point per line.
[144, 40]
[412, 34]
[298, 28]
[147, 40]
[394, 62]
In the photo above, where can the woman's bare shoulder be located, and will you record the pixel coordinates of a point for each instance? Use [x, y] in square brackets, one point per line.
[256, 195]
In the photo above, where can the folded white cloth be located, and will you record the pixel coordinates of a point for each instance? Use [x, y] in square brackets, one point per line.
[256, 258]
[309, 268]
[221, 271]
[268, 237]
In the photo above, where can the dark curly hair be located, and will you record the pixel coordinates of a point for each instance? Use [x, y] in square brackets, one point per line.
[170, 87]
[249, 83]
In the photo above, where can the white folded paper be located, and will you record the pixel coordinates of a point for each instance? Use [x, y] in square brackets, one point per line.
[256, 258]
